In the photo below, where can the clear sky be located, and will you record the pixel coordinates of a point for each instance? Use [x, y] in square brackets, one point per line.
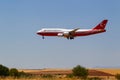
[20, 47]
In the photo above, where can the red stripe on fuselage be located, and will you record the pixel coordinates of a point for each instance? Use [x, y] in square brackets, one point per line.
[91, 32]
[78, 33]
[48, 33]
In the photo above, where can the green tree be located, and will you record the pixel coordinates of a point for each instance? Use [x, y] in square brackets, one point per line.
[14, 72]
[117, 76]
[4, 71]
[80, 72]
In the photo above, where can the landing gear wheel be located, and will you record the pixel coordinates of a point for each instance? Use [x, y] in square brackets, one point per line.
[71, 37]
[43, 37]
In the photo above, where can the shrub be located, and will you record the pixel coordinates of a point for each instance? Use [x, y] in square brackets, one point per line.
[117, 76]
[4, 71]
[80, 72]
[14, 72]
[69, 76]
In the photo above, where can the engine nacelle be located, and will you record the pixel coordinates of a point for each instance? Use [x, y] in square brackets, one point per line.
[65, 34]
[60, 35]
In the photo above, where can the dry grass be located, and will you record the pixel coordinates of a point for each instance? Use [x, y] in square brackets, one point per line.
[47, 69]
[111, 71]
[37, 78]
[107, 70]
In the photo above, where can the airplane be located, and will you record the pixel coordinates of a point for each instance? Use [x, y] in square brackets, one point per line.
[72, 33]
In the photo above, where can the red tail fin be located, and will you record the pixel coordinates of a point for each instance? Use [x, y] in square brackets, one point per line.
[101, 25]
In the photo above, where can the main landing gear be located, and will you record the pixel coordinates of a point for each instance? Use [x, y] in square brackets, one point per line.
[43, 37]
[70, 38]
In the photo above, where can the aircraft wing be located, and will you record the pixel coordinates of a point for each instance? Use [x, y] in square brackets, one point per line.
[73, 31]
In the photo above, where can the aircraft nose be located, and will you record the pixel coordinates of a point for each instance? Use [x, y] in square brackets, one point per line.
[39, 32]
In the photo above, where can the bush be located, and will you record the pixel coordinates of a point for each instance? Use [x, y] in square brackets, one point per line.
[80, 72]
[69, 76]
[4, 71]
[117, 76]
[14, 72]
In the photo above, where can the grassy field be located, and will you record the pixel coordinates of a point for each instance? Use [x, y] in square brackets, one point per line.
[111, 71]
[48, 79]
[37, 78]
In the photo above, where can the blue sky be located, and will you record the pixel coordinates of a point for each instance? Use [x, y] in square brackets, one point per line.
[20, 47]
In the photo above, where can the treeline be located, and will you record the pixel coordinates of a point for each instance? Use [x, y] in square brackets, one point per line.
[78, 71]
[13, 72]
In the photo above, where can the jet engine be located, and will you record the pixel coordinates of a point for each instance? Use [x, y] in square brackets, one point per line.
[60, 35]
[67, 35]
